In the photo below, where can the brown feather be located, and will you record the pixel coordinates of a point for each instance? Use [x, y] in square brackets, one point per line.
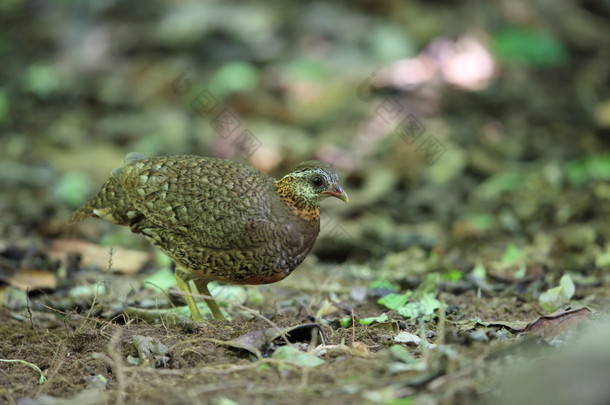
[218, 219]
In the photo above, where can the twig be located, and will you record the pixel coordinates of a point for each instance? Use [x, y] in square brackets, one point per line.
[110, 256]
[161, 290]
[42, 377]
[115, 356]
[27, 300]
[95, 297]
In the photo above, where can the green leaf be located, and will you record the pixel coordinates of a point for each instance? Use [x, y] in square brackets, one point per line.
[567, 286]
[234, 77]
[602, 258]
[555, 297]
[422, 308]
[394, 301]
[524, 46]
[590, 168]
[18, 298]
[42, 79]
[500, 183]
[97, 381]
[429, 285]
[367, 321]
[479, 271]
[134, 361]
[482, 222]
[346, 321]
[511, 254]
[452, 275]
[296, 357]
[521, 272]
[402, 354]
[384, 284]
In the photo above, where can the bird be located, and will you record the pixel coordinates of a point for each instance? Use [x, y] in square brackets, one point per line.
[217, 219]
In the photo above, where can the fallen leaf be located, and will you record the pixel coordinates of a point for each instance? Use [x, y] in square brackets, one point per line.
[360, 349]
[345, 322]
[555, 297]
[560, 321]
[402, 354]
[33, 279]
[296, 357]
[512, 326]
[260, 339]
[379, 319]
[407, 338]
[511, 273]
[424, 307]
[125, 261]
[394, 301]
[511, 255]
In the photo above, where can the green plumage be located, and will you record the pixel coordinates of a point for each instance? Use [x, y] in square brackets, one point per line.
[218, 219]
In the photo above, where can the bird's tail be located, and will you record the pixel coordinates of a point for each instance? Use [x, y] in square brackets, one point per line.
[110, 204]
[81, 213]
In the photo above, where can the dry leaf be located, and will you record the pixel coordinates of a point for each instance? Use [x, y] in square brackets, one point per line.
[33, 279]
[126, 261]
[558, 322]
[360, 349]
[261, 338]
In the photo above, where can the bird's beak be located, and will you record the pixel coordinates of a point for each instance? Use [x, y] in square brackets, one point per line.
[339, 193]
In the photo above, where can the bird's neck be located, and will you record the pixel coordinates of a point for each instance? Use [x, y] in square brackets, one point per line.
[299, 206]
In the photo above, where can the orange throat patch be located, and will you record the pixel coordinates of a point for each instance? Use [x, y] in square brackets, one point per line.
[310, 214]
[297, 205]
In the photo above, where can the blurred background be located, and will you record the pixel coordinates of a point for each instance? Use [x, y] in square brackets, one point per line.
[450, 123]
[472, 137]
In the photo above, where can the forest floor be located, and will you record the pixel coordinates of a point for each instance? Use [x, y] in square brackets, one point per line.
[328, 334]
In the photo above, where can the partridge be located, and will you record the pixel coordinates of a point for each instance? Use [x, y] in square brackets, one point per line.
[218, 219]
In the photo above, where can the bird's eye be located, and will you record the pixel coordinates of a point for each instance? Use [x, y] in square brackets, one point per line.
[317, 181]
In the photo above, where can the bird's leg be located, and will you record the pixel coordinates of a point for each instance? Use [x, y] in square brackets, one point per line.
[202, 287]
[183, 285]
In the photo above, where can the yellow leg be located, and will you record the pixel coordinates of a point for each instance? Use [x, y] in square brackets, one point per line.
[183, 285]
[202, 287]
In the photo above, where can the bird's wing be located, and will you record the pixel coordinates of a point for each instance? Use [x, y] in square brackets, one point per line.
[217, 203]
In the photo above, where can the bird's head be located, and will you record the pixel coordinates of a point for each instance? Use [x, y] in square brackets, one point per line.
[310, 183]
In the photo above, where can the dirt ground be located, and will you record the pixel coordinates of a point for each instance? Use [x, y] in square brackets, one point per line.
[88, 356]
[471, 265]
